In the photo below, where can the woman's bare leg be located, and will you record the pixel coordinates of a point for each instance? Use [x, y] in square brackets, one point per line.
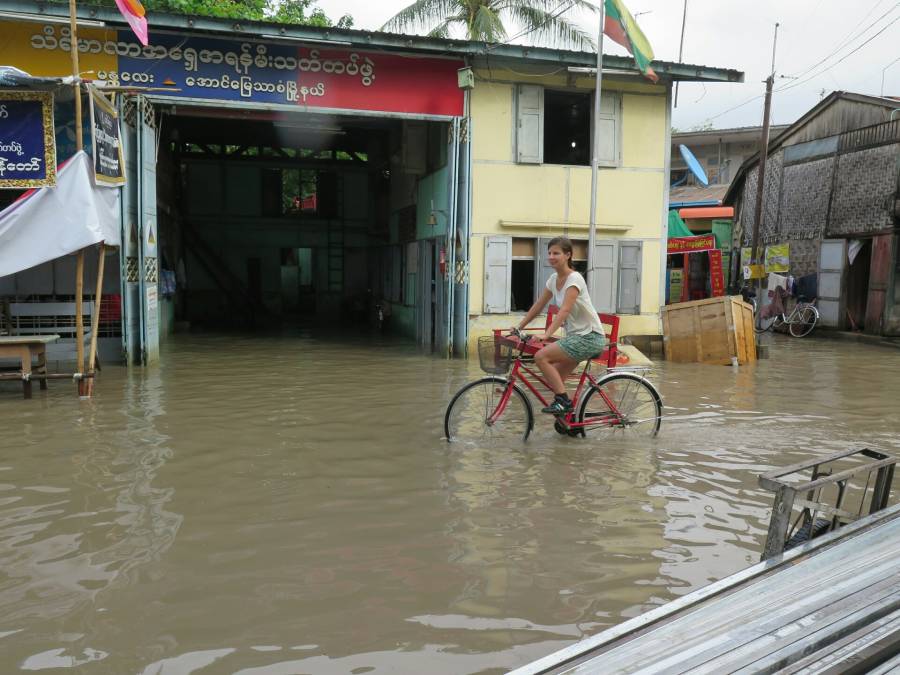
[555, 365]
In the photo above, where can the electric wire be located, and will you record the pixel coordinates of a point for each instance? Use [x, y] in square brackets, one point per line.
[847, 42]
[792, 85]
[804, 80]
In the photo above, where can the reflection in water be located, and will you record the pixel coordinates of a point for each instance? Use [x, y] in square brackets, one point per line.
[286, 504]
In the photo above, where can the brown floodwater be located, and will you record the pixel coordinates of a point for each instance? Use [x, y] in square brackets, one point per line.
[286, 504]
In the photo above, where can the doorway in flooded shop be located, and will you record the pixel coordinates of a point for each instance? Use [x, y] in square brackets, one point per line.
[273, 220]
[859, 257]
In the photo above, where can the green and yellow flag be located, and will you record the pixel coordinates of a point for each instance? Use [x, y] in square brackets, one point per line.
[621, 27]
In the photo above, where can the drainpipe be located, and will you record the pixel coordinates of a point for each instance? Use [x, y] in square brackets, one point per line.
[891, 119]
[464, 230]
[664, 238]
[452, 228]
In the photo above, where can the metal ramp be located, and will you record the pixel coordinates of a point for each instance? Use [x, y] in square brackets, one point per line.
[829, 606]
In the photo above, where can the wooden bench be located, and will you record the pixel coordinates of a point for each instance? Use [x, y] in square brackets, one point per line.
[26, 348]
[51, 318]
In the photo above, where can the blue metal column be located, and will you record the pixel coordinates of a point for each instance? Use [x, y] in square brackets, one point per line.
[463, 219]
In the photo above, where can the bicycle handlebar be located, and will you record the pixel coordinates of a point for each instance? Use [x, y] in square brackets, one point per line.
[524, 337]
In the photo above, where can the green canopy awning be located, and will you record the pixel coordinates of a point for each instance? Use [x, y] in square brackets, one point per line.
[677, 228]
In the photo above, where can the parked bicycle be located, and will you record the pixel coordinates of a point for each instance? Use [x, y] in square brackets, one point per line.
[801, 320]
[497, 408]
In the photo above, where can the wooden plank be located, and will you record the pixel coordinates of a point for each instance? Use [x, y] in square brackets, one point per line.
[698, 332]
[28, 339]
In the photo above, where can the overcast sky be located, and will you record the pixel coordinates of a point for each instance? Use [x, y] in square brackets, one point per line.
[738, 34]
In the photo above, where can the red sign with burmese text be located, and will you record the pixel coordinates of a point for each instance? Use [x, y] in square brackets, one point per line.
[703, 242]
[400, 84]
[716, 273]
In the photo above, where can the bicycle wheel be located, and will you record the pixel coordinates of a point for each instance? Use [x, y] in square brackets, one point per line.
[468, 417]
[761, 325]
[804, 322]
[621, 403]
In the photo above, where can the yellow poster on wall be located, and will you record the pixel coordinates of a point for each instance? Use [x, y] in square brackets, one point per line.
[676, 284]
[45, 50]
[778, 258]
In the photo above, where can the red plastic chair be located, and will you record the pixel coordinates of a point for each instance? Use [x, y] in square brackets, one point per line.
[610, 356]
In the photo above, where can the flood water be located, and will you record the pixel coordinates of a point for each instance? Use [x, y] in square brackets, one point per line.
[287, 505]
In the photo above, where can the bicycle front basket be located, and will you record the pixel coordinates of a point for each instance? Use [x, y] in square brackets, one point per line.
[494, 356]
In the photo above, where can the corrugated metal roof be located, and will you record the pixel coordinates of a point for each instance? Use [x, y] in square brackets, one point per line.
[730, 130]
[697, 193]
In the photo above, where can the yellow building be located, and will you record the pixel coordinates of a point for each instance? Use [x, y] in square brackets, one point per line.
[531, 181]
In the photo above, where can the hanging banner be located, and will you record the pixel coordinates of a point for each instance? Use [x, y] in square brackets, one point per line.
[270, 71]
[109, 162]
[751, 271]
[27, 141]
[716, 274]
[702, 242]
[778, 258]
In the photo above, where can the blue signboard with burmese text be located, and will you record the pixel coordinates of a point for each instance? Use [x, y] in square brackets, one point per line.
[203, 67]
[27, 145]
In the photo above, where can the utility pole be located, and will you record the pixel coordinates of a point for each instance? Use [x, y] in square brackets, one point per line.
[763, 156]
[595, 156]
[681, 46]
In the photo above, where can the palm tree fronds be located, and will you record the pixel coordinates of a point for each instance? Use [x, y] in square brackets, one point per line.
[484, 20]
[420, 14]
[442, 30]
[550, 27]
[486, 25]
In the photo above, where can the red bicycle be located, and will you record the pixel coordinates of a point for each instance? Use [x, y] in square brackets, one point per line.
[497, 408]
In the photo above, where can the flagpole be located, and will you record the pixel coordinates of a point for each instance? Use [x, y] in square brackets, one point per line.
[79, 145]
[595, 155]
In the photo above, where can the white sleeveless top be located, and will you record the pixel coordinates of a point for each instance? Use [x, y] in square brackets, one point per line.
[583, 318]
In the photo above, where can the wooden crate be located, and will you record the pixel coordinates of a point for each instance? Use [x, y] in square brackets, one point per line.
[709, 331]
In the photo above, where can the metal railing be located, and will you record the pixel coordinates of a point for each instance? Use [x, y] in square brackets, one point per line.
[802, 508]
[876, 134]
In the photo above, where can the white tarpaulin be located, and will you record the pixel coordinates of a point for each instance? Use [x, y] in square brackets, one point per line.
[56, 221]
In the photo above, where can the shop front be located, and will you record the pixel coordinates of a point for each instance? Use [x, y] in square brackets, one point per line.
[695, 269]
[269, 178]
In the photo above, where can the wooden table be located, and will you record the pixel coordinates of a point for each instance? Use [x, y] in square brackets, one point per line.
[25, 348]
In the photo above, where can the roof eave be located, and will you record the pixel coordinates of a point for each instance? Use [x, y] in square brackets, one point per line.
[378, 40]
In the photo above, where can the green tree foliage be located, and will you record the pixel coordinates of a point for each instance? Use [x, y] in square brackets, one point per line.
[304, 12]
[487, 20]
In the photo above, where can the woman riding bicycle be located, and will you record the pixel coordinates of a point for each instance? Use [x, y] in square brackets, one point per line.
[584, 333]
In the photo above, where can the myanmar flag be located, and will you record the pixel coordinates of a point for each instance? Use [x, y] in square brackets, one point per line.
[621, 27]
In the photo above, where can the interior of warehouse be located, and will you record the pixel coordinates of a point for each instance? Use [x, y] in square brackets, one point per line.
[266, 218]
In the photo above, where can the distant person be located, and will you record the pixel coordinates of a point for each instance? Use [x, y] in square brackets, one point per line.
[584, 333]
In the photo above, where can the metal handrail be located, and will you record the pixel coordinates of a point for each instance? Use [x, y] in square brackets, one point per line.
[790, 495]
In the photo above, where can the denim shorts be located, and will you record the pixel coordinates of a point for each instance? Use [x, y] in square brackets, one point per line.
[583, 347]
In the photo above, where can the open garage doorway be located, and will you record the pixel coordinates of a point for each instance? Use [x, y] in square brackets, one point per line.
[269, 220]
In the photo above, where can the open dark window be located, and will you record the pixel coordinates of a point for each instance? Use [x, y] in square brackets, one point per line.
[522, 276]
[567, 128]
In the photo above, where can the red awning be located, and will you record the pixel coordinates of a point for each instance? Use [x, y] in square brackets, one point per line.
[707, 212]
